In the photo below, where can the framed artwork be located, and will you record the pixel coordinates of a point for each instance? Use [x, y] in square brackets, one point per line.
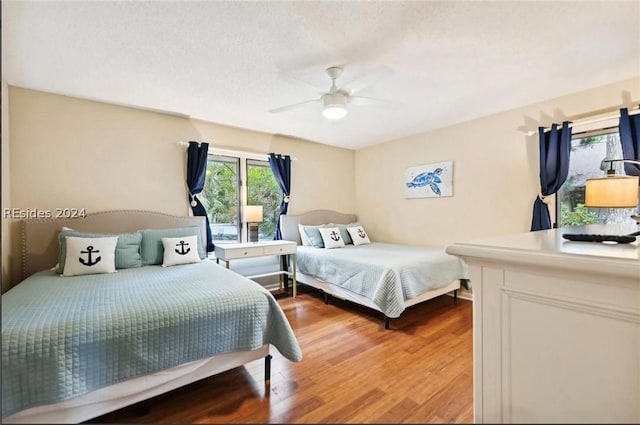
[429, 181]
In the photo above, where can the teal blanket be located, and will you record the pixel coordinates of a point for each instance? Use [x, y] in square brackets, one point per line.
[387, 274]
[66, 336]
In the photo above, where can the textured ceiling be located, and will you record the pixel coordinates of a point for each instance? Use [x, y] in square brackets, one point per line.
[226, 62]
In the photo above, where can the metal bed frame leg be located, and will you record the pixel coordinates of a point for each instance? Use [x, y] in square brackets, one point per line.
[267, 369]
[326, 298]
[455, 295]
[386, 322]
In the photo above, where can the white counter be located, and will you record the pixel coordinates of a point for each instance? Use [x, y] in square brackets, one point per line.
[556, 327]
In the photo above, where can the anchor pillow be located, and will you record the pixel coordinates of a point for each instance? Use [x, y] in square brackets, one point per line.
[151, 249]
[331, 237]
[127, 249]
[90, 256]
[180, 250]
[358, 235]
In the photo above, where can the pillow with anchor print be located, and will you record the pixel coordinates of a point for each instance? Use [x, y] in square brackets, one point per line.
[331, 237]
[358, 235]
[127, 248]
[180, 250]
[90, 256]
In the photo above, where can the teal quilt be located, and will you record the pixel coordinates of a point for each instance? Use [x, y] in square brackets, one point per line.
[66, 336]
[387, 274]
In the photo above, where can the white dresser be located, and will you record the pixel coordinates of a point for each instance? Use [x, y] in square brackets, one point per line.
[556, 327]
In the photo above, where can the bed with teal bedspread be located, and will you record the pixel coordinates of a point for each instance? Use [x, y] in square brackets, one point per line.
[62, 337]
[388, 274]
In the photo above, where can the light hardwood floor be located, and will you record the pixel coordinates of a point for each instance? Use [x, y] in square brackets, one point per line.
[352, 371]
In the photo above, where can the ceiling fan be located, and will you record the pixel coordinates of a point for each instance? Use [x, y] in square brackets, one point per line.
[335, 100]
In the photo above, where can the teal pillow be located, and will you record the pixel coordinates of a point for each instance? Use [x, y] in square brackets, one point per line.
[345, 233]
[151, 249]
[313, 234]
[127, 248]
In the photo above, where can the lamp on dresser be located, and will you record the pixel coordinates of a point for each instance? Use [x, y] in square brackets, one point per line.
[252, 216]
[612, 191]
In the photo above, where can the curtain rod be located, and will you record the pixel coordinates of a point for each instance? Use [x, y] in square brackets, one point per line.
[589, 120]
[221, 150]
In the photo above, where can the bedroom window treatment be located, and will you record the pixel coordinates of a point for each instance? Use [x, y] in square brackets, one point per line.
[281, 168]
[196, 174]
[629, 128]
[555, 148]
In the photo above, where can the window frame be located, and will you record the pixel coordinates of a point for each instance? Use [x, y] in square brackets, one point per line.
[243, 159]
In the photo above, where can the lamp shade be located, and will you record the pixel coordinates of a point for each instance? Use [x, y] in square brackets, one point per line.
[253, 214]
[612, 192]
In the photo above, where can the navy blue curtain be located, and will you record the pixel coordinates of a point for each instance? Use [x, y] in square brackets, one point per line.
[630, 139]
[555, 147]
[281, 168]
[196, 174]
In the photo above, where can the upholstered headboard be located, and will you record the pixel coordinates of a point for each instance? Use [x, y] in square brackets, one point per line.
[40, 236]
[289, 223]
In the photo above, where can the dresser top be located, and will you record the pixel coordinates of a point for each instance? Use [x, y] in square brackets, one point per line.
[548, 247]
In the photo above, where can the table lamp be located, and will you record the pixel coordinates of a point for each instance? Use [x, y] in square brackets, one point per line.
[612, 191]
[253, 216]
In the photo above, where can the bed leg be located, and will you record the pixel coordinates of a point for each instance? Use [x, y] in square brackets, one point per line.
[465, 283]
[386, 322]
[455, 295]
[267, 368]
[326, 298]
[141, 408]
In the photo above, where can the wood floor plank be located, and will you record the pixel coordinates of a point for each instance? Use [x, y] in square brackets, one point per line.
[353, 371]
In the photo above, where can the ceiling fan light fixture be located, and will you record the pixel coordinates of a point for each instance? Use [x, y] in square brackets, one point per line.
[335, 106]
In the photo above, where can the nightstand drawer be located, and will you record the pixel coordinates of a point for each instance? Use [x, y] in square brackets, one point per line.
[244, 252]
[280, 249]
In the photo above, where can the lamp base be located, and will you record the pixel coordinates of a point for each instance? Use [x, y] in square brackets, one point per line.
[617, 215]
[253, 232]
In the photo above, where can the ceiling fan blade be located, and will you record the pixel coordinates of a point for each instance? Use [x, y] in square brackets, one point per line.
[367, 79]
[293, 106]
[300, 82]
[363, 100]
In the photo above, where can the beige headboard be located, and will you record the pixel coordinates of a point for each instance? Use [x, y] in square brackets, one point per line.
[289, 223]
[40, 236]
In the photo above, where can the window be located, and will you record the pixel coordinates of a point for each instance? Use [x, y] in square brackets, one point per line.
[224, 195]
[263, 189]
[587, 151]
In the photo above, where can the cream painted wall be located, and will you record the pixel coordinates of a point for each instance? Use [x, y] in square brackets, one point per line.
[6, 189]
[69, 152]
[496, 172]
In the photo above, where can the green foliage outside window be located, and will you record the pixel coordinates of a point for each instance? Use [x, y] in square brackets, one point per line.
[264, 190]
[221, 197]
[586, 153]
[220, 194]
[579, 216]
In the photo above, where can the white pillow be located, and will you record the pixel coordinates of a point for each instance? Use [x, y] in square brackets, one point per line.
[90, 255]
[358, 235]
[331, 237]
[54, 268]
[303, 236]
[180, 250]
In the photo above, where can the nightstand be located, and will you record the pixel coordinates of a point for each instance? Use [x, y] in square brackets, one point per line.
[234, 251]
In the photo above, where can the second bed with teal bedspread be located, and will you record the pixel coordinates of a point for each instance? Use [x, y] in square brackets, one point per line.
[388, 274]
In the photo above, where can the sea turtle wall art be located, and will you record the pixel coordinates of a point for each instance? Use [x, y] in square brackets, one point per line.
[429, 181]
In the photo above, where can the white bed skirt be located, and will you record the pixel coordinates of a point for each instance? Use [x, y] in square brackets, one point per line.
[114, 397]
[339, 292]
